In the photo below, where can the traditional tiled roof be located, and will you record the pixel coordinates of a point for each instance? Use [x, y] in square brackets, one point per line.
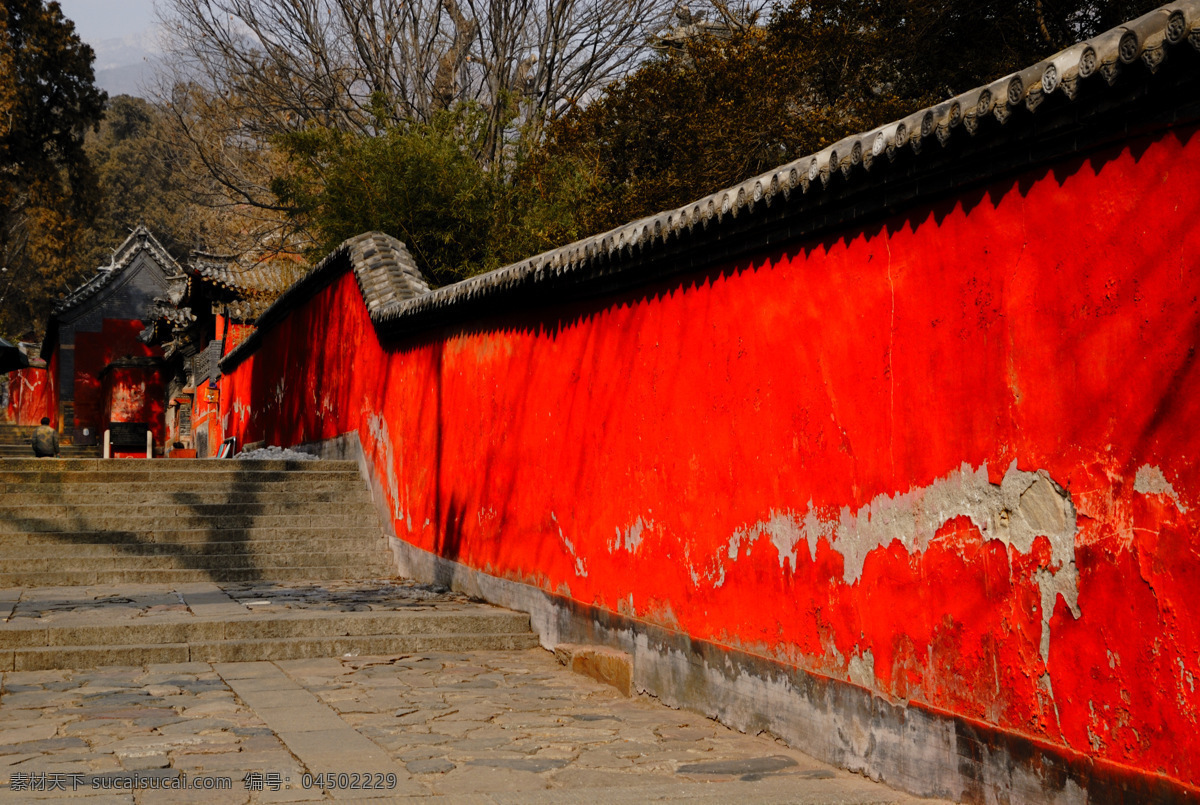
[11, 357]
[161, 310]
[246, 309]
[139, 240]
[802, 187]
[166, 324]
[386, 273]
[265, 278]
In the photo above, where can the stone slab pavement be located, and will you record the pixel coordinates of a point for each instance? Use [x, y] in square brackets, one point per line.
[473, 727]
[166, 603]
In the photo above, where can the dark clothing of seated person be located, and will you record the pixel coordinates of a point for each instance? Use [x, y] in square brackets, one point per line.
[45, 440]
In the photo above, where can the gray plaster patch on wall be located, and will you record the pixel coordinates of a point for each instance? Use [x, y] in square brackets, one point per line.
[1021, 508]
[580, 565]
[861, 669]
[900, 743]
[378, 428]
[631, 540]
[786, 530]
[1151, 481]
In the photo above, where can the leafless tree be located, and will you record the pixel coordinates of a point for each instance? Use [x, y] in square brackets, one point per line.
[248, 70]
[222, 147]
[352, 64]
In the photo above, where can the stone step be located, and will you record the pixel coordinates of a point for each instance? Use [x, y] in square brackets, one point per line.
[108, 521]
[176, 508]
[359, 560]
[210, 495]
[157, 467]
[294, 648]
[302, 534]
[345, 484]
[24, 449]
[342, 483]
[10, 452]
[171, 480]
[477, 620]
[68, 578]
[82, 522]
[314, 545]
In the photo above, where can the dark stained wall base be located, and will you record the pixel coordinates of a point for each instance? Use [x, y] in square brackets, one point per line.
[906, 745]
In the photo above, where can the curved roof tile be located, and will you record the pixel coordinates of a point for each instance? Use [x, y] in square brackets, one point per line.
[139, 240]
[269, 278]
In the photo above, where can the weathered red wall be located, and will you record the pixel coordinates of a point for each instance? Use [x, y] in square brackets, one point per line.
[236, 335]
[732, 454]
[94, 351]
[136, 394]
[208, 413]
[31, 396]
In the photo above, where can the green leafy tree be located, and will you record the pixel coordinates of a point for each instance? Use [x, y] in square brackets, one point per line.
[421, 183]
[722, 101]
[726, 102]
[139, 175]
[412, 181]
[47, 97]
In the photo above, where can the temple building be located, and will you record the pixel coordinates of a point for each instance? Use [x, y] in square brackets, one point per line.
[100, 374]
[133, 351]
[208, 311]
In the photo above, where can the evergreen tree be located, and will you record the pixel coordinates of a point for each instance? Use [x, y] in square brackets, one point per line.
[48, 102]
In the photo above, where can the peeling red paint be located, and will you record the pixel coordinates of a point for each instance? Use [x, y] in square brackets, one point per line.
[135, 394]
[31, 396]
[1049, 321]
[206, 416]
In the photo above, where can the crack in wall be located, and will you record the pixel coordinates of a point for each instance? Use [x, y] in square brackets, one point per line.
[580, 565]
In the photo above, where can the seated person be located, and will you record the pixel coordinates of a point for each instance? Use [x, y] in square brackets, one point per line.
[45, 440]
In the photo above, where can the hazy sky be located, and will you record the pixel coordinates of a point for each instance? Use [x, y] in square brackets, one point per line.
[108, 19]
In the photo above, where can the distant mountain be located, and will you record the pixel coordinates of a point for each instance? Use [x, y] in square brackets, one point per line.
[127, 65]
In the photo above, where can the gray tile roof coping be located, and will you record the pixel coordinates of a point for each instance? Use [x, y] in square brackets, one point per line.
[260, 278]
[386, 273]
[1144, 39]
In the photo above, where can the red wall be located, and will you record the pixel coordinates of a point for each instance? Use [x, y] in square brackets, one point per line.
[731, 455]
[206, 412]
[136, 394]
[31, 396]
[94, 351]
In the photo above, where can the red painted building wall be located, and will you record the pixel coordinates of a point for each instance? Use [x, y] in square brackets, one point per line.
[95, 351]
[950, 456]
[32, 396]
[135, 394]
[206, 417]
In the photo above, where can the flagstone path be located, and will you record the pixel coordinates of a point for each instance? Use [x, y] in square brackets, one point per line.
[470, 727]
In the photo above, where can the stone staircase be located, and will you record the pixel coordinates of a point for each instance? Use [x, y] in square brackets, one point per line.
[92, 521]
[14, 443]
[89, 534]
